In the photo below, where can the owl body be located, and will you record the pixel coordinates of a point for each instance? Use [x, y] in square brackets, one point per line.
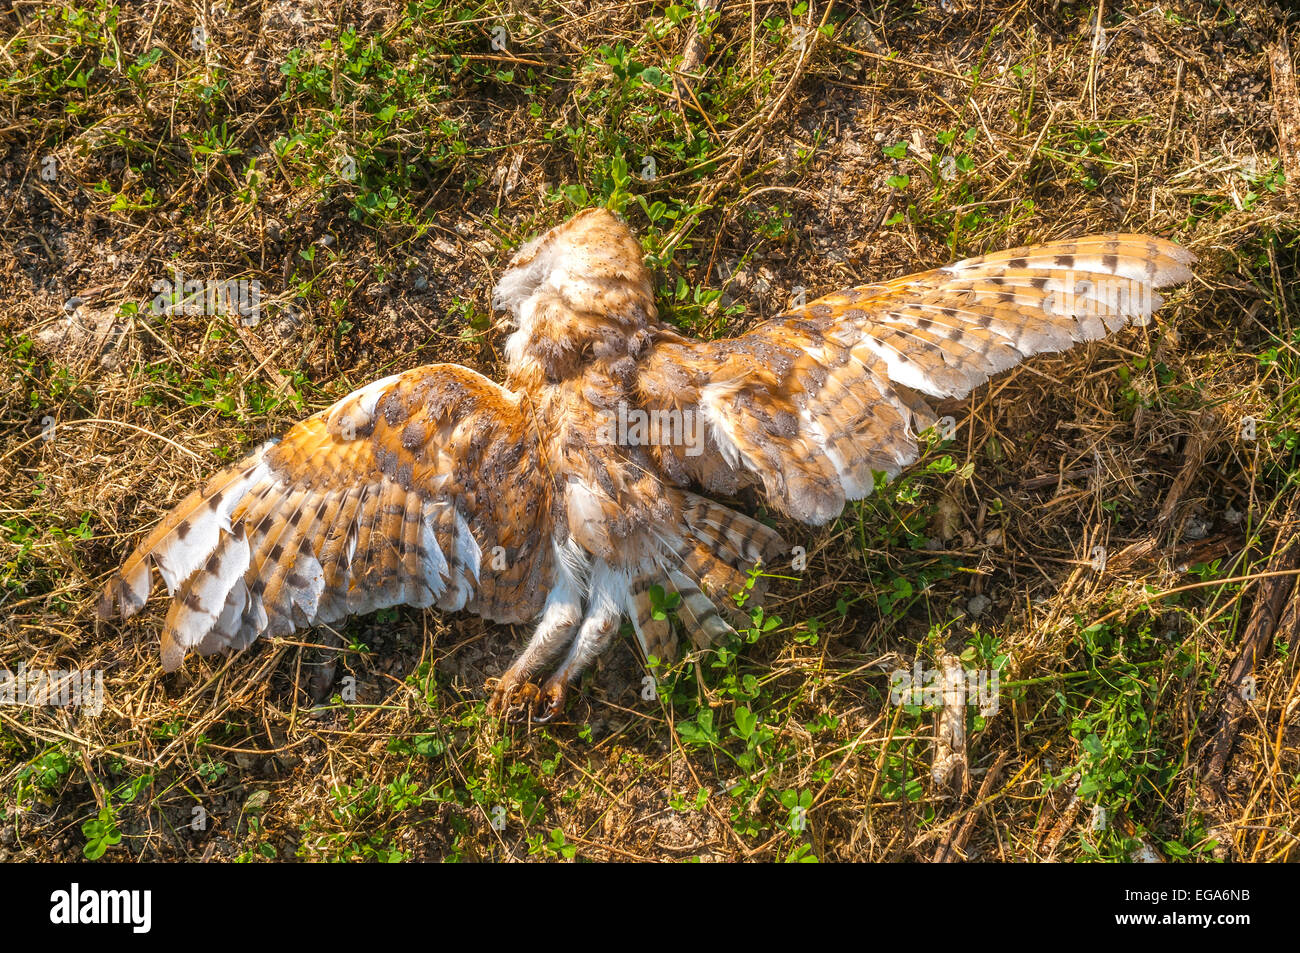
[569, 496]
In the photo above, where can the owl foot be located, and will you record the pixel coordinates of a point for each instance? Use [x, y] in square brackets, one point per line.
[551, 701]
[513, 696]
[517, 699]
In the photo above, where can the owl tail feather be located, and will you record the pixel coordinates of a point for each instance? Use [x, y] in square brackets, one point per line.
[711, 559]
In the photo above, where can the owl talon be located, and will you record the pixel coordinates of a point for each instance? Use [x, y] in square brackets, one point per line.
[523, 702]
[550, 701]
[513, 699]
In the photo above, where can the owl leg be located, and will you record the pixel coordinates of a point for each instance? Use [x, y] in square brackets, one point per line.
[513, 692]
[604, 612]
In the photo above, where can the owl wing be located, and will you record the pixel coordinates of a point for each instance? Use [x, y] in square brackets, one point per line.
[815, 401]
[401, 493]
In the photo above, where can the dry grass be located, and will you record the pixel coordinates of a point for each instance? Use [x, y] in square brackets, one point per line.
[778, 166]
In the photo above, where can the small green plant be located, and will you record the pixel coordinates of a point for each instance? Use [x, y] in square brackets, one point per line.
[101, 833]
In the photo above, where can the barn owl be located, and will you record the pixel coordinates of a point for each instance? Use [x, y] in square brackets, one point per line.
[564, 497]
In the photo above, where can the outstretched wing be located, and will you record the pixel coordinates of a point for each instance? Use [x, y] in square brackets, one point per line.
[811, 403]
[424, 488]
